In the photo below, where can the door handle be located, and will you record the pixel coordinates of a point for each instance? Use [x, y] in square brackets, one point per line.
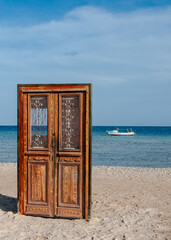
[53, 140]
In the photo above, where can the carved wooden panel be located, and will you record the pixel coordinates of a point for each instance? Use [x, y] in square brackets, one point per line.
[39, 158]
[38, 210]
[37, 182]
[70, 122]
[69, 159]
[38, 115]
[70, 212]
[69, 184]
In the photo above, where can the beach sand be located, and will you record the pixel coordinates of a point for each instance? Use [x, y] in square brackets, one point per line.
[127, 203]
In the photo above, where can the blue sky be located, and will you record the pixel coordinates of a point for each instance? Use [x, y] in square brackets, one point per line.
[122, 47]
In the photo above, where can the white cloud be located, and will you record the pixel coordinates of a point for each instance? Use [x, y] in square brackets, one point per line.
[92, 41]
[90, 45]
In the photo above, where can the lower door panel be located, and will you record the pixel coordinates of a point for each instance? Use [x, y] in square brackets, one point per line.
[37, 183]
[37, 187]
[69, 200]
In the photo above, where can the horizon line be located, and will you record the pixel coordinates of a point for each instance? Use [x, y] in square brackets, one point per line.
[109, 125]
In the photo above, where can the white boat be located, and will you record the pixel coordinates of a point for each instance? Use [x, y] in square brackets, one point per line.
[115, 132]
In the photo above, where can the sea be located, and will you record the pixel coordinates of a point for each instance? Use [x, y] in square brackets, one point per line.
[150, 147]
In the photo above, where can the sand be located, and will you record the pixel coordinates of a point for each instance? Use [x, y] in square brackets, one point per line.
[127, 203]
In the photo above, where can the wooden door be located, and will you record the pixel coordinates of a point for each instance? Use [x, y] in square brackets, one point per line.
[54, 150]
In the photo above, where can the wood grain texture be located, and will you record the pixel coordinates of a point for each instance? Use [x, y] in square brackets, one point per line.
[37, 182]
[51, 132]
[69, 185]
[56, 128]
[20, 153]
[25, 142]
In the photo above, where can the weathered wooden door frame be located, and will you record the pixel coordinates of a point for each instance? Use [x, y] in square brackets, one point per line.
[45, 89]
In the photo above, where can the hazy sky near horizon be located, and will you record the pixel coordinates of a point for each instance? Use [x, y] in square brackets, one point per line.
[122, 47]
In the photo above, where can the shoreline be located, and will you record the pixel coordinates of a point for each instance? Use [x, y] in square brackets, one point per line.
[128, 203]
[95, 166]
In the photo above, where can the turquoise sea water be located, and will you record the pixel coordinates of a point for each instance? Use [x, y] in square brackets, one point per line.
[150, 147]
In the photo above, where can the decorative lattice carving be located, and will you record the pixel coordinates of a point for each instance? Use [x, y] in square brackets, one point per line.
[38, 209]
[69, 212]
[70, 122]
[39, 122]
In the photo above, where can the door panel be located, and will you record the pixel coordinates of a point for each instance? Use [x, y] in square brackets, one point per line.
[69, 184]
[37, 182]
[70, 122]
[39, 124]
[37, 210]
[38, 118]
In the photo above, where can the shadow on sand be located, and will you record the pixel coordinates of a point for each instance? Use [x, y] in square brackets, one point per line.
[8, 204]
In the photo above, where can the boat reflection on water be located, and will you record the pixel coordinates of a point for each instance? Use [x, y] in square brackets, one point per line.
[116, 132]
